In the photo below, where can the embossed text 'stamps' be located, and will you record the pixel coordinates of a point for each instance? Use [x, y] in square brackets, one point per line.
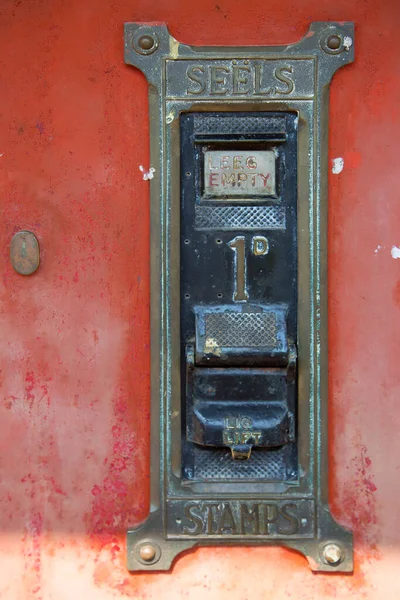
[238, 140]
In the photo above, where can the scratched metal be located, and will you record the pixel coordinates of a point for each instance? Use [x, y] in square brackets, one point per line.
[185, 78]
[24, 252]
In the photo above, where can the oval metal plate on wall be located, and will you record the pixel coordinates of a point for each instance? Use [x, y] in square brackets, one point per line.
[25, 253]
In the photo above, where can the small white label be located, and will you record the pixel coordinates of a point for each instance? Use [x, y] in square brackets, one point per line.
[239, 173]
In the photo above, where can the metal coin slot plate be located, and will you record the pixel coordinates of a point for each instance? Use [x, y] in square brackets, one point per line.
[290, 512]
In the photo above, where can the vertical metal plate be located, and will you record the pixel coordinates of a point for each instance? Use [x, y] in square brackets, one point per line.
[186, 79]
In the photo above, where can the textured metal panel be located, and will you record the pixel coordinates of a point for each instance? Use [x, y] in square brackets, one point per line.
[238, 124]
[242, 330]
[240, 217]
[218, 464]
[242, 334]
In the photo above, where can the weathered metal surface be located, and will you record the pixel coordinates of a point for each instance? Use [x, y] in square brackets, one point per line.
[24, 252]
[207, 104]
[75, 339]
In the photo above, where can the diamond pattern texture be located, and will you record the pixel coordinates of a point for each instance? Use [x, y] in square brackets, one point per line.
[235, 329]
[238, 124]
[240, 217]
[213, 463]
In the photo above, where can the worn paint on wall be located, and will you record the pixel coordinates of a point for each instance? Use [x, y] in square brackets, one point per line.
[74, 405]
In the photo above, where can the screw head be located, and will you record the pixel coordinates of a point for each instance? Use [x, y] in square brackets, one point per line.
[332, 554]
[334, 41]
[147, 552]
[145, 40]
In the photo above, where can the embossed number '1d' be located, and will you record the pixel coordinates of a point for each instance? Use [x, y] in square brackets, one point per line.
[259, 247]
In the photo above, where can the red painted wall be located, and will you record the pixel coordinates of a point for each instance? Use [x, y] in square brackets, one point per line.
[74, 404]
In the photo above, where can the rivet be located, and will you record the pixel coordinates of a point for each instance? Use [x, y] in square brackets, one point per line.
[147, 552]
[146, 42]
[334, 41]
[332, 554]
